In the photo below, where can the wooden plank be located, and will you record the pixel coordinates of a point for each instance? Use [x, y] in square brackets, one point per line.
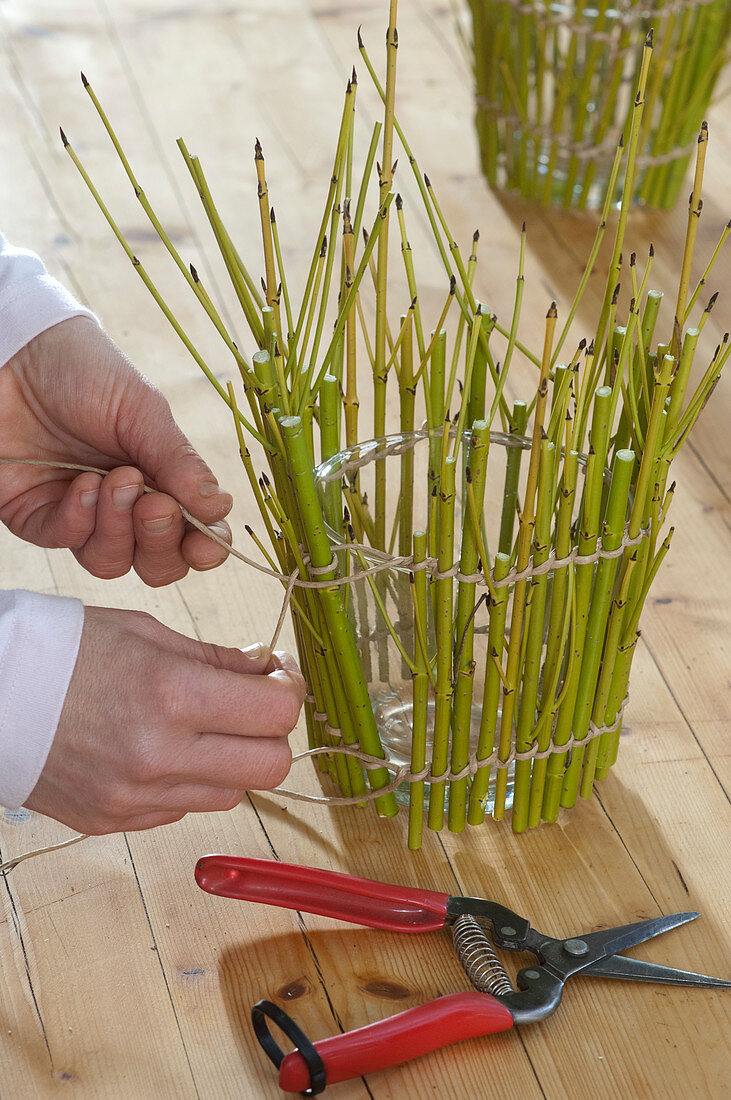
[50, 1032]
[652, 843]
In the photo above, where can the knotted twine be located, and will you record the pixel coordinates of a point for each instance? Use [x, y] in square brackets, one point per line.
[402, 773]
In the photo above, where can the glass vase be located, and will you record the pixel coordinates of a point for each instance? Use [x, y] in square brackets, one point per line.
[555, 85]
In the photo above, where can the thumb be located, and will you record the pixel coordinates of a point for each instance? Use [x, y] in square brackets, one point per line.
[157, 446]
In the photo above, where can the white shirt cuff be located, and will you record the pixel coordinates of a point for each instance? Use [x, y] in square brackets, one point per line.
[39, 644]
[31, 301]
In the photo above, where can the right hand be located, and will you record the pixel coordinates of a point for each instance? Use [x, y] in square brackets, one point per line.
[156, 725]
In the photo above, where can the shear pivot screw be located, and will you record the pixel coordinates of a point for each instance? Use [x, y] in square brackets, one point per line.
[508, 932]
[531, 975]
[576, 947]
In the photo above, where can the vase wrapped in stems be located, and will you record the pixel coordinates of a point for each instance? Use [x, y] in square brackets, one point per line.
[465, 592]
[555, 84]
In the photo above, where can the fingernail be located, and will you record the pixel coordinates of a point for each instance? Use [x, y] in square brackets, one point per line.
[89, 498]
[209, 489]
[255, 650]
[125, 497]
[211, 565]
[157, 526]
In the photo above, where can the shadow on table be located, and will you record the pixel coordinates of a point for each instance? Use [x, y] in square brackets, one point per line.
[605, 862]
[345, 977]
[562, 240]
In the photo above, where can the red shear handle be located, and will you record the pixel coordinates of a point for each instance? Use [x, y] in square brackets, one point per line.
[358, 900]
[399, 1038]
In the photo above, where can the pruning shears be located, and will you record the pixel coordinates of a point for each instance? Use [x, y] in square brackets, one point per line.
[494, 1006]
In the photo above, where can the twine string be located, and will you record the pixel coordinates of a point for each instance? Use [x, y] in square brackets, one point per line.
[294, 580]
[11, 864]
[403, 773]
[383, 561]
[585, 149]
[431, 566]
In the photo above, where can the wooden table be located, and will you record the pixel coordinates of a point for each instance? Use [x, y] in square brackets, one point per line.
[118, 977]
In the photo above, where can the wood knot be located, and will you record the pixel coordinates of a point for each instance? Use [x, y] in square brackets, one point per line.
[383, 987]
[292, 990]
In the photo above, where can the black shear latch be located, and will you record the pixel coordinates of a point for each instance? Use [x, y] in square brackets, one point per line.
[315, 1065]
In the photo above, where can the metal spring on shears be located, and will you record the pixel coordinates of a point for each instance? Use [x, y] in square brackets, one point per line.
[477, 956]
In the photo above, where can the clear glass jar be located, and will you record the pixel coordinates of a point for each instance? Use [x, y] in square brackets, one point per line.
[381, 608]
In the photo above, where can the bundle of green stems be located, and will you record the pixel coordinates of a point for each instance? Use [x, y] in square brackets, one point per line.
[546, 657]
[555, 85]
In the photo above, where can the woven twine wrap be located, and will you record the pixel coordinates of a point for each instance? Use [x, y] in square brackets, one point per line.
[362, 455]
[383, 562]
[627, 19]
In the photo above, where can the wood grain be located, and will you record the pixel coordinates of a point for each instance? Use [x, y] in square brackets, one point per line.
[118, 978]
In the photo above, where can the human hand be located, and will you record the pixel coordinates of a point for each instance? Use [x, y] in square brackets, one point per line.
[156, 725]
[70, 395]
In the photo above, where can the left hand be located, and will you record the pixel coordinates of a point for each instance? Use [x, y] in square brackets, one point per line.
[70, 395]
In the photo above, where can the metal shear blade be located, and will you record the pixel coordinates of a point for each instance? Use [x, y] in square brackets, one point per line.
[597, 954]
[638, 970]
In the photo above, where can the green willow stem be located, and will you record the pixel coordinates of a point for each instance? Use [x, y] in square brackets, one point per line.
[420, 693]
[333, 606]
[248, 297]
[405, 509]
[443, 627]
[270, 282]
[438, 345]
[524, 732]
[606, 572]
[469, 366]
[330, 409]
[589, 528]
[170, 317]
[491, 696]
[406, 254]
[525, 528]
[478, 389]
[554, 651]
[513, 458]
[464, 663]
[366, 178]
[282, 276]
[380, 371]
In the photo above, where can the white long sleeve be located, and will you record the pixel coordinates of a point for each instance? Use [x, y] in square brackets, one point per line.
[31, 300]
[39, 635]
[39, 643]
